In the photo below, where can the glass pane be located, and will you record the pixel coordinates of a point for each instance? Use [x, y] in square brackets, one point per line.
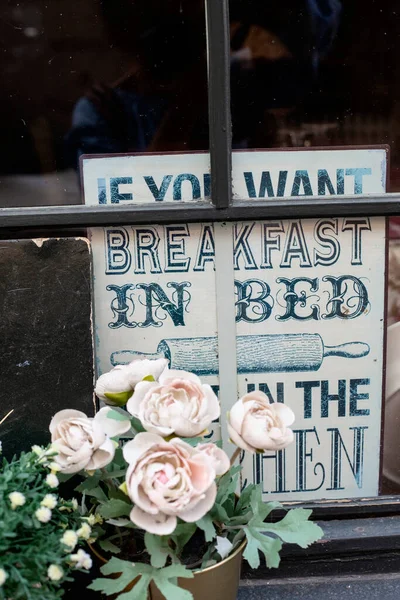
[313, 73]
[96, 77]
[322, 73]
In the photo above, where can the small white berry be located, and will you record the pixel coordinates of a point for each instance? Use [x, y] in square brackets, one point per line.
[3, 576]
[84, 531]
[70, 539]
[43, 514]
[55, 573]
[16, 499]
[82, 560]
[49, 501]
[52, 480]
[54, 467]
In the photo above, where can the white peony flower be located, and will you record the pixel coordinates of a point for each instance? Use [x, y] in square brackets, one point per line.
[177, 404]
[69, 539]
[116, 386]
[83, 442]
[254, 424]
[52, 480]
[167, 481]
[3, 576]
[81, 560]
[49, 501]
[17, 499]
[55, 573]
[218, 456]
[43, 514]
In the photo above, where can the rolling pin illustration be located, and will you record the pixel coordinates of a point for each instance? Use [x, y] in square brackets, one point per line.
[272, 353]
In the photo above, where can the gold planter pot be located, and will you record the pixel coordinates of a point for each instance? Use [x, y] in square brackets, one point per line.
[219, 582]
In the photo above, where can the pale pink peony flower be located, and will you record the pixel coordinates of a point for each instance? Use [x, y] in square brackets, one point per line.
[167, 480]
[83, 442]
[255, 424]
[177, 404]
[219, 457]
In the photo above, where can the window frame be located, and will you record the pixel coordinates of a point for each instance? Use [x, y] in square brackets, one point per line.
[18, 223]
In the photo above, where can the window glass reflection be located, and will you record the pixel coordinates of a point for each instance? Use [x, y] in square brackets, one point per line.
[315, 73]
[96, 76]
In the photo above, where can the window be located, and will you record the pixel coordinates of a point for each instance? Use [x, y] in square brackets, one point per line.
[235, 44]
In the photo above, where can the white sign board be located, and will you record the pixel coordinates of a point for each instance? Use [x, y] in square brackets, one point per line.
[308, 295]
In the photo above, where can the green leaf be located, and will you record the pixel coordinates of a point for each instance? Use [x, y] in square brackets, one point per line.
[148, 378]
[176, 571]
[260, 509]
[122, 523]
[127, 571]
[118, 398]
[117, 415]
[295, 528]
[227, 484]
[137, 426]
[171, 589]
[89, 483]
[114, 474]
[193, 441]
[242, 519]
[117, 565]
[210, 557]
[243, 504]
[182, 534]
[114, 508]
[218, 513]
[97, 493]
[206, 524]
[157, 547]
[108, 546]
[229, 506]
[118, 460]
[256, 542]
[139, 590]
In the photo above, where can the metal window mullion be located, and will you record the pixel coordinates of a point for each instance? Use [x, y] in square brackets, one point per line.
[219, 112]
[52, 217]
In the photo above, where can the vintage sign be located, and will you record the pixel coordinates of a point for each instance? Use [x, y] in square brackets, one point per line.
[307, 299]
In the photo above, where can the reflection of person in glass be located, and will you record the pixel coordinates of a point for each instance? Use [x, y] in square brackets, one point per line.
[161, 103]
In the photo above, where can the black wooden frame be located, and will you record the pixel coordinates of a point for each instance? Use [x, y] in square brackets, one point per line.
[62, 220]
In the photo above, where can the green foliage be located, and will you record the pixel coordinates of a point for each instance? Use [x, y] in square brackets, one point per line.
[182, 534]
[206, 524]
[227, 484]
[164, 578]
[118, 398]
[27, 546]
[108, 546]
[136, 425]
[294, 528]
[194, 441]
[159, 549]
[256, 541]
[114, 508]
